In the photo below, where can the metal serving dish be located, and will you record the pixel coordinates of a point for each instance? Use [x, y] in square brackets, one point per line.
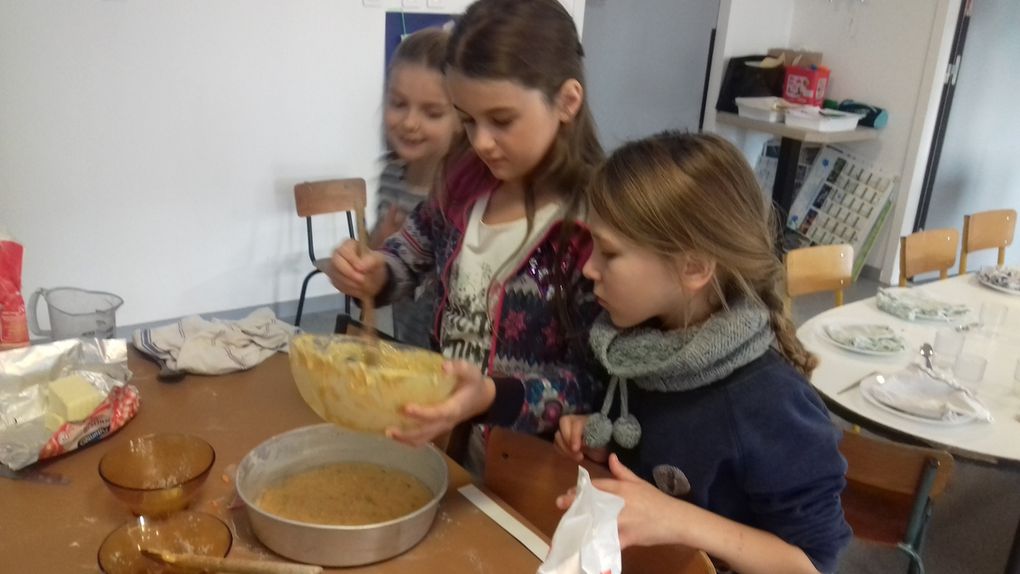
[311, 447]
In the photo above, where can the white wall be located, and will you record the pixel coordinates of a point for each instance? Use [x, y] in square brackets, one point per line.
[150, 148]
[646, 68]
[745, 27]
[978, 167]
[877, 51]
[891, 53]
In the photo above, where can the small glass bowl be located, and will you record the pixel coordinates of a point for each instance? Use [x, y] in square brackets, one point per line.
[185, 532]
[157, 474]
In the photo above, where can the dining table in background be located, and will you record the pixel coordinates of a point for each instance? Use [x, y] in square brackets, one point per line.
[996, 442]
[56, 519]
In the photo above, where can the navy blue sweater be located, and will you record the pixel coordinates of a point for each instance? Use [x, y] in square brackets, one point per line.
[758, 448]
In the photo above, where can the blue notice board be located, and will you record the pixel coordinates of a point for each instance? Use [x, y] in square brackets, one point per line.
[400, 23]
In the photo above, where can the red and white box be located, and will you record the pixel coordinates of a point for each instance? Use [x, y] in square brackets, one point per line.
[806, 85]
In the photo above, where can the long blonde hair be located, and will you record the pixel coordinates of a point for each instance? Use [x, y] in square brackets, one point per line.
[683, 193]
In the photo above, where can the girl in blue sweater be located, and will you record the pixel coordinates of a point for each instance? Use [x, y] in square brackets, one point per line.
[719, 442]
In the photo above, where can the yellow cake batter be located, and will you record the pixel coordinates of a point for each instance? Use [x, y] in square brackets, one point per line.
[347, 494]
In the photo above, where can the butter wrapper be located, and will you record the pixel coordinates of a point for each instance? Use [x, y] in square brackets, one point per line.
[25, 374]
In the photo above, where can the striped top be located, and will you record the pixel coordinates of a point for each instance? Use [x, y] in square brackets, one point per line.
[412, 319]
[393, 189]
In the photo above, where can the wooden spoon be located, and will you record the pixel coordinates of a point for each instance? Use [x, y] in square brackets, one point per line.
[235, 565]
[367, 304]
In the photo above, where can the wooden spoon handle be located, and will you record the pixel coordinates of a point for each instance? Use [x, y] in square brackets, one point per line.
[236, 565]
[367, 305]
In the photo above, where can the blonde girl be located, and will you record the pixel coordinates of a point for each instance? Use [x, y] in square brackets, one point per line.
[719, 442]
[420, 125]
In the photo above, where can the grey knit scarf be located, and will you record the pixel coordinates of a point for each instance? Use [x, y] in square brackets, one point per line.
[672, 361]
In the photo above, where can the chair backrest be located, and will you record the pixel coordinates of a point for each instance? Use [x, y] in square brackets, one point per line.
[335, 195]
[987, 230]
[892, 466]
[890, 485]
[819, 268]
[924, 251]
[528, 474]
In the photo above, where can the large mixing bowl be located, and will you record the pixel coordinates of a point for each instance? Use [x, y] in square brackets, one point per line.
[363, 385]
[328, 545]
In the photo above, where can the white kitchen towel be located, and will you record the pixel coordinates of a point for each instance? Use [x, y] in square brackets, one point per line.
[215, 347]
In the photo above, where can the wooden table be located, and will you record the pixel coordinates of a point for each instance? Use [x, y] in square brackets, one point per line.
[49, 528]
[986, 442]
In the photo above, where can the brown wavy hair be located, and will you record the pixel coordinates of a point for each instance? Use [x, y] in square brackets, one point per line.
[684, 193]
[535, 44]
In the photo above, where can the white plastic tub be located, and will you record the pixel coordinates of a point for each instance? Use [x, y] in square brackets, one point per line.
[821, 120]
[767, 109]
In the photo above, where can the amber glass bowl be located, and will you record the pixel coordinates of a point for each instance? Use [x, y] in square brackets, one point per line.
[183, 532]
[157, 474]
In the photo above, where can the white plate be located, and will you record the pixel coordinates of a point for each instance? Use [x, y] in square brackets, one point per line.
[825, 335]
[991, 285]
[868, 383]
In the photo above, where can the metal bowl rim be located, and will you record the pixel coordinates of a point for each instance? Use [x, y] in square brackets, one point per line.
[429, 506]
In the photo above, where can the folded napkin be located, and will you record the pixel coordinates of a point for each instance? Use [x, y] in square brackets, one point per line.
[911, 304]
[216, 347]
[915, 391]
[1003, 277]
[864, 337]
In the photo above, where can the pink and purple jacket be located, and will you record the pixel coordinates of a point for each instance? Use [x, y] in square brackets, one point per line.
[541, 371]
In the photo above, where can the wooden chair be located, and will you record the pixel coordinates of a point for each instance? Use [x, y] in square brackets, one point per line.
[528, 474]
[987, 230]
[820, 268]
[924, 251]
[319, 198]
[890, 491]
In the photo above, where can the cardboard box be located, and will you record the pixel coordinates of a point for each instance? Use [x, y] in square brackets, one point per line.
[797, 58]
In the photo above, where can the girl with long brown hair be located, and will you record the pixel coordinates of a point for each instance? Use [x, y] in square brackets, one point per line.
[714, 407]
[504, 234]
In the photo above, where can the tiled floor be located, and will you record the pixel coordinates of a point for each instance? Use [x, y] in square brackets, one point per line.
[972, 525]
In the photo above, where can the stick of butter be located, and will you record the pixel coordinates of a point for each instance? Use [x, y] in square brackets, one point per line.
[53, 421]
[73, 398]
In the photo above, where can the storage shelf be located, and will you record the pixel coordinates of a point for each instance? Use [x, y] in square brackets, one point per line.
[799, 134]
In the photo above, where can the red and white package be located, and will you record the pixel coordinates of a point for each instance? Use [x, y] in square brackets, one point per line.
[29, 405]
[13, 324]
[119, 407]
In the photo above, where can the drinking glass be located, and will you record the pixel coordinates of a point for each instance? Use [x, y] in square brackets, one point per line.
[948, 345]
[993, 315]
[970, 368]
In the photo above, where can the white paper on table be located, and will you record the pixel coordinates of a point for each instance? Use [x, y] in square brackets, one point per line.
[505, 520]
[587, 540]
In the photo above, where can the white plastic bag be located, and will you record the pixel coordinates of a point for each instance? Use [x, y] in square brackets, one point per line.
[586, 540]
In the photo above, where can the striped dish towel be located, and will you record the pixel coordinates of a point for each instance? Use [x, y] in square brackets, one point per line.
[215, 347]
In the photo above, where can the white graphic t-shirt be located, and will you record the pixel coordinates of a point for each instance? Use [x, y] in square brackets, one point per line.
[466, 325]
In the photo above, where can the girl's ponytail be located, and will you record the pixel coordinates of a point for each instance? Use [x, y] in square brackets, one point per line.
[778, 304]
